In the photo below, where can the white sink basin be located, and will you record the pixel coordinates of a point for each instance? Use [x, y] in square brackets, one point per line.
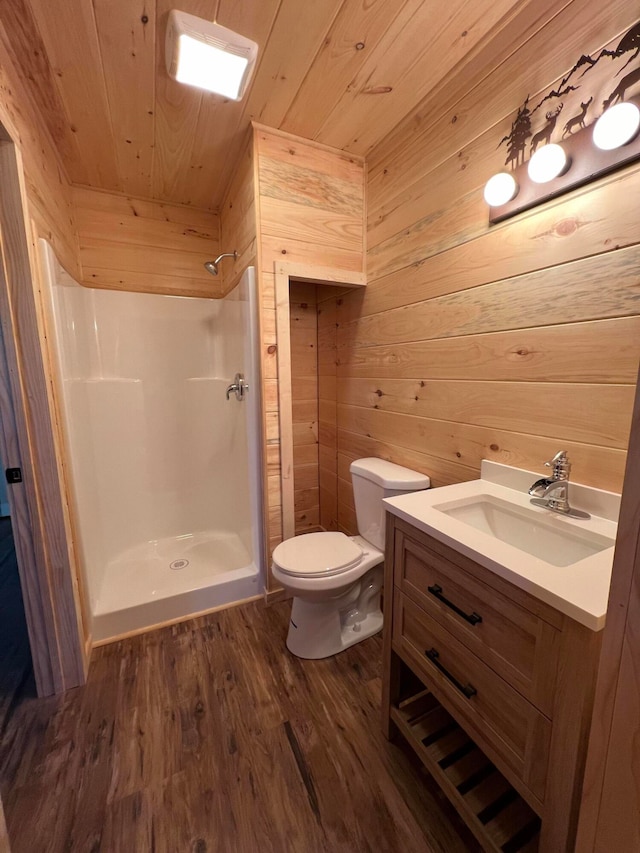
[561, 560]
[526, 529]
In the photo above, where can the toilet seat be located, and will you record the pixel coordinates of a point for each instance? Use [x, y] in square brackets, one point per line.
[317, 555]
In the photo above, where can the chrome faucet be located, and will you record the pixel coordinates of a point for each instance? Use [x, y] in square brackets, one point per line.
[553, 492]
[238, 387]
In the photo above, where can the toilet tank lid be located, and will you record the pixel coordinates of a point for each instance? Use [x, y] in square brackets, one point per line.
[389, 475]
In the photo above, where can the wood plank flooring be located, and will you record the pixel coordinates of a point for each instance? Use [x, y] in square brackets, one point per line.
[209, 736]
[15, 655]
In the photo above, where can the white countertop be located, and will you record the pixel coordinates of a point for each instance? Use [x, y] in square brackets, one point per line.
[580, 590]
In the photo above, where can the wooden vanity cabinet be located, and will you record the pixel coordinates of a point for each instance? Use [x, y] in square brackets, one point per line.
[491, 687]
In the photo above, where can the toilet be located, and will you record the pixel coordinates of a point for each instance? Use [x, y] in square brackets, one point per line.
[335, 579]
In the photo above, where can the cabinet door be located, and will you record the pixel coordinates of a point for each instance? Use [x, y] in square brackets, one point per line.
[515, 642]
[514, 733]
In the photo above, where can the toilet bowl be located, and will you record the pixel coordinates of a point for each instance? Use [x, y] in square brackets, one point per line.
[336, 579]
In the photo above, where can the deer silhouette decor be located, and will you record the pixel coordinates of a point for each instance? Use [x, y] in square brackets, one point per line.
[621, 89]
[577, 121]
[547, 130]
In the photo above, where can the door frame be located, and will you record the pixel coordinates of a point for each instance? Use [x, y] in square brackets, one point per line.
[30, 441]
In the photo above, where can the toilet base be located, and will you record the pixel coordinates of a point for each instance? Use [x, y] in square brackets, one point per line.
[320, 629]
[302, 646]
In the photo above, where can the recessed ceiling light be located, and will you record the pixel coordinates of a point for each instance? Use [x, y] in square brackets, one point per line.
[547, 163]
[500, 189]
[200, 53]
[617, 126]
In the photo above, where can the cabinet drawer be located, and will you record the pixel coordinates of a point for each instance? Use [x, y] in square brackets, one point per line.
[515, 642]
[497, 715]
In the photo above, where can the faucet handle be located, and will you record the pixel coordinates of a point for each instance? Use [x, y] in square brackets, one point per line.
[561, 456]
[560, 464]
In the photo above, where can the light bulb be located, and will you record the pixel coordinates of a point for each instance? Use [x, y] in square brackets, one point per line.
[209, 67]
[616, 126]
[204, 54]
[500, 189]
[547, 163]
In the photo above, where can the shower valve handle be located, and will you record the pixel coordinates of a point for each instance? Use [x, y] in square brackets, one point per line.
[238, 387]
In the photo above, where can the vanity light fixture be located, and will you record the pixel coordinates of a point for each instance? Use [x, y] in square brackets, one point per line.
[617, 126]
[585, 154]
[547, 163]
[209, 56]
[500, 189]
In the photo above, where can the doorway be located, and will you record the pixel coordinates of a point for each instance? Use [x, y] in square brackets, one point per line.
[326, 281]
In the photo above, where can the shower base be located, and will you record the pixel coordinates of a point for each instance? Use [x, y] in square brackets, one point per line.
[172, 578]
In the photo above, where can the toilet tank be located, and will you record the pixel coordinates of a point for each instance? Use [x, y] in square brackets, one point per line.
[374, 479]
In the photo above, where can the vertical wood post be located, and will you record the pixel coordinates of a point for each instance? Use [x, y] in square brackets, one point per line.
[610, 809]
[43, 541]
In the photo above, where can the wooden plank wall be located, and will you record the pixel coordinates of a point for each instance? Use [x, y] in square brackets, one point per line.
[303, 319]
[327, 407]
[146, 246]
[504, 343]
[310, 210]
[239, 219]
[48, 189]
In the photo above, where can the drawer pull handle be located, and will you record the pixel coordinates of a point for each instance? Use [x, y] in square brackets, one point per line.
[466, 689]
[471, 618]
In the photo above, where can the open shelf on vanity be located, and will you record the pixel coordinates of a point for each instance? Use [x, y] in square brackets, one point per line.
[494, 811]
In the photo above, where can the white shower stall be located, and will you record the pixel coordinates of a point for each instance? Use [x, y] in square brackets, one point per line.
[166, 471]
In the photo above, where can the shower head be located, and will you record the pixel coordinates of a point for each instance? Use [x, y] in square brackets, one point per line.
[212, 266]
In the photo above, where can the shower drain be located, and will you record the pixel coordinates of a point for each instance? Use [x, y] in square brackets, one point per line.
[178, 564]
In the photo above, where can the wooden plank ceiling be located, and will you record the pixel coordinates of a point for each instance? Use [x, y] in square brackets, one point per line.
[342, 72]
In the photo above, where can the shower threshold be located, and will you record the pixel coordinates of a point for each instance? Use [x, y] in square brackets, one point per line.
[170, 579]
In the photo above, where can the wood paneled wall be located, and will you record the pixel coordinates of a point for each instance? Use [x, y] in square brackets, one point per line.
[48, 189]
[504, 343]
[303, 320]
[146, 246]
[327, 407]
[310, 210]
[239, 218]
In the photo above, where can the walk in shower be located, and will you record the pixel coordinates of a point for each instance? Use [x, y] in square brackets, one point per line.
[165, 469]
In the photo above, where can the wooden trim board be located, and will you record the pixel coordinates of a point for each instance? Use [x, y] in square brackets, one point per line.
[29, 441]
[22, 499]
[610, 815]
[284, 274]
[273, 596]
[4, 833]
